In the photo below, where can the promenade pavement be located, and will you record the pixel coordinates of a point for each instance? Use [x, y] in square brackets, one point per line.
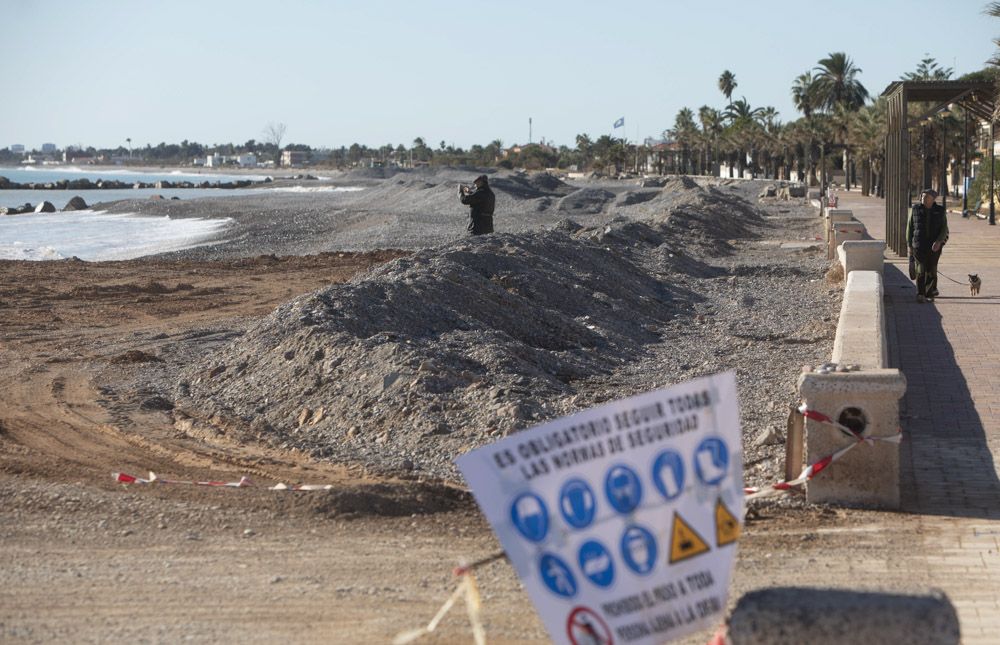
[950, 354]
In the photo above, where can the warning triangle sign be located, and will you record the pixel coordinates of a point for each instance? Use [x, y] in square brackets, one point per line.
[727, 527]
[684, 541]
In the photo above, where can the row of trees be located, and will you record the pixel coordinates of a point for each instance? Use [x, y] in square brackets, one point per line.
[841, 127]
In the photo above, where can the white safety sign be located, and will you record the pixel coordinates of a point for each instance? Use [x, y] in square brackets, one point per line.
[622, 520]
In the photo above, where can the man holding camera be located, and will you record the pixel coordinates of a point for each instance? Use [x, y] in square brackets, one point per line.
[481, 202]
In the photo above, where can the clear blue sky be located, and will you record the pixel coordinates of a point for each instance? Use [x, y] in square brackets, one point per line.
[336, 72]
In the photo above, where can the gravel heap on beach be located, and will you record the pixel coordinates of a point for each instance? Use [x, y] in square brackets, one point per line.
[417, 209]
[431, 355]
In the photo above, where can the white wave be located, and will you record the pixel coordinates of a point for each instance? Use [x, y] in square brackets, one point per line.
[316, 189]
[21, 251]
[101, 171]
[98, 235]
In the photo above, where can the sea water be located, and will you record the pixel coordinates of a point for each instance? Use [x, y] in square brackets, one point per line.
[47, 174]
[59, 198]
[98, 235]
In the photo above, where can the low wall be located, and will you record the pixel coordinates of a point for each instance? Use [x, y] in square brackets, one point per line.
[861, 338]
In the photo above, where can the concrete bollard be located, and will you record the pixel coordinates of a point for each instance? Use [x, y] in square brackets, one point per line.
[795, 615]
[868, 475]
[833, 216]
[841, 232]
[861, 255]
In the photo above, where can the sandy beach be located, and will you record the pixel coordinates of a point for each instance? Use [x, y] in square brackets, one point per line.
[274, 351]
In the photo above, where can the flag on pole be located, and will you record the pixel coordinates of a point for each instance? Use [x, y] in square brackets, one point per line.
[620, 123]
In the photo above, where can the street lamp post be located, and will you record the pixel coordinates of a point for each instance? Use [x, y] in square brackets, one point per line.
[993, 160]
[965, 166]
[923, 156]
[943, 177]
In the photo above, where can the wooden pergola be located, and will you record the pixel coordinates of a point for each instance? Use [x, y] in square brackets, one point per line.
[976, 98]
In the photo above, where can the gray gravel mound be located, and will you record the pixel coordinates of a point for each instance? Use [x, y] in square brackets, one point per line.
[586, 200]
[637, 197]
[531, 186]
[431, 355]
[471, 339]
[419, 360]
[680, 183]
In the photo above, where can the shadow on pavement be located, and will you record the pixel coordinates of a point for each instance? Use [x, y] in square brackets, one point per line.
[946, 466]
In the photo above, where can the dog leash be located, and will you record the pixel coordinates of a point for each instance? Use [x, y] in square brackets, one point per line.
[952, 279]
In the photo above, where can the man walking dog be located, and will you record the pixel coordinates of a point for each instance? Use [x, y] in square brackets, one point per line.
[926, 233]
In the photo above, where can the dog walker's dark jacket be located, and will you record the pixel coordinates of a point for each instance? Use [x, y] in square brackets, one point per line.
[481, 202]
[925, 227]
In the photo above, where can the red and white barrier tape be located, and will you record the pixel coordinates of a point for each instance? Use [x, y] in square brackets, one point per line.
[467, 590]
[820, 465]
[244, 482]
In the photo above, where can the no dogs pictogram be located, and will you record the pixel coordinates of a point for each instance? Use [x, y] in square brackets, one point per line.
[585, 627]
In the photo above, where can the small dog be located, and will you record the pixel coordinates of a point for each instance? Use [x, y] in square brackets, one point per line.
[974, 283]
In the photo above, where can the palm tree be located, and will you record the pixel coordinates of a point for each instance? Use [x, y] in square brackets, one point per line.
[743, 123]
[993, 9]
[768, 137]
[727, 83]
[842, 121]
[838, 89]
[804, 94]
[837, 83]
[739, 111]
[711, 126]
[868, 131]
[685, 131]
[804, 97]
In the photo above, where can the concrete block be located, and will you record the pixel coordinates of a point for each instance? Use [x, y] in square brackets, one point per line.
[842, 231]
[861, 255]
[835, 216]
[868, 400]
[794, 615]
[861, 335]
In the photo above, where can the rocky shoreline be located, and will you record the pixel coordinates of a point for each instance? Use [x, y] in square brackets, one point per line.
[113, 184]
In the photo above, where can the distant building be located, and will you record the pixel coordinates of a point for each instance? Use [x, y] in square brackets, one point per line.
[247, 160]
[48, 148]
[17, 148]
[77, 156]
[516, 149]
[294, 158]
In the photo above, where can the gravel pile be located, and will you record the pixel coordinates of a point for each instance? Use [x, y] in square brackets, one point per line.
[432, 355]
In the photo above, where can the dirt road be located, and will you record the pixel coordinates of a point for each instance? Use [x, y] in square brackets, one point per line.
[85, 559]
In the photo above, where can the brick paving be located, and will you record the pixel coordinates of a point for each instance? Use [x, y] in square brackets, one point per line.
[950, 414]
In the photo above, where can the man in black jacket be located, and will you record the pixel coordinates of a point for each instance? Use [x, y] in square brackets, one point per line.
[926, 233]
[481, 202]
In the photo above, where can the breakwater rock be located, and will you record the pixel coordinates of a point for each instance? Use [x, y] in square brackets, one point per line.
[113, 184]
